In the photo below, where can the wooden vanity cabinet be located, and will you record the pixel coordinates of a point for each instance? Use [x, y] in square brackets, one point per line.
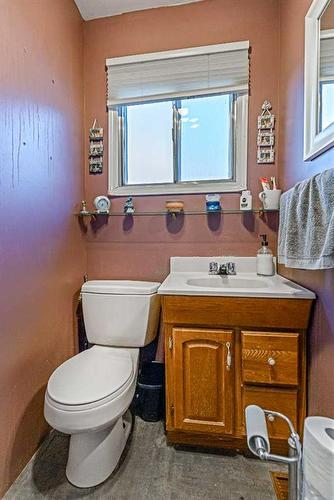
[224, 353]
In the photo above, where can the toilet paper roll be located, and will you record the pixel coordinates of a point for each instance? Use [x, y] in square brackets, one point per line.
[256, 426]
[318, 458]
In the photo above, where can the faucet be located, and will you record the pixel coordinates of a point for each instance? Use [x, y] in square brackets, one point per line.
[223, 269]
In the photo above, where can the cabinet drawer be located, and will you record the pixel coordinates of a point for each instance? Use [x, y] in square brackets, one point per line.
[270, 358]
[284, 401]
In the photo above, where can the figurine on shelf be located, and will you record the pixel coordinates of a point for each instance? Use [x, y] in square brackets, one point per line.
[129, 208]
[84, 210]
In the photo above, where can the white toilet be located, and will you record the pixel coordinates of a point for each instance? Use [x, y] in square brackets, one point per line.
[88, 396]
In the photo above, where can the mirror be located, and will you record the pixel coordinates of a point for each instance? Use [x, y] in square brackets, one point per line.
[319, 79]
[326, 68]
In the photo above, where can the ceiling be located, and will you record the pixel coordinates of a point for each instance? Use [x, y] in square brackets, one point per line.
[92, 9]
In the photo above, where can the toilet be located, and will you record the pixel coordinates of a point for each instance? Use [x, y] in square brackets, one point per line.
[88, 396]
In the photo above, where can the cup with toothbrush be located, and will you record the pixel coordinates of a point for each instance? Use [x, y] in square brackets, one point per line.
[270, 196]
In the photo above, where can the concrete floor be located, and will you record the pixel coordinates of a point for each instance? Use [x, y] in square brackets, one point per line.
[150, 470]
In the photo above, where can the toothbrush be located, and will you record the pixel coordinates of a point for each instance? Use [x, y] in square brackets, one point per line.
[265, 183]
[273, 180]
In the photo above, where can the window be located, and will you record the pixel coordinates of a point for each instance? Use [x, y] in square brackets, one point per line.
[163, 144]
[205, 141]
[177, 141]
[326, 114]
[326, 80]
[147, 143]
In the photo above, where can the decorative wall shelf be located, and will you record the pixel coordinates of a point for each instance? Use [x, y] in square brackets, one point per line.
[227, 211]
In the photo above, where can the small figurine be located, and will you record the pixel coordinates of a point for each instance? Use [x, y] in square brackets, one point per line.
[129, 207]
[84, 210]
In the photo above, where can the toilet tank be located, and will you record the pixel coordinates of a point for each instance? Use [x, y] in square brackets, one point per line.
[120, 313]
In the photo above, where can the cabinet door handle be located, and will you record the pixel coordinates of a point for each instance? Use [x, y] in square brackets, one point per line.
[228, 356]
[170, 342]
[271, 362]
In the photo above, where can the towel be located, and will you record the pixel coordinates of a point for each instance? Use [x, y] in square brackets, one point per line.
[306, 230]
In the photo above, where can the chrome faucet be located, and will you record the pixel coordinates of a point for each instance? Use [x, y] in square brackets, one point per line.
[223, 269]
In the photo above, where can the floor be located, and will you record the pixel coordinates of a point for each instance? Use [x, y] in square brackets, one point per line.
[150, 470]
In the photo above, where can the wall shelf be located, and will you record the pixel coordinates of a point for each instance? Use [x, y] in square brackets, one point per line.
[259, 211]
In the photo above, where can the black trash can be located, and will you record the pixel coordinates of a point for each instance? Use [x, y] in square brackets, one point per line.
[150, 397]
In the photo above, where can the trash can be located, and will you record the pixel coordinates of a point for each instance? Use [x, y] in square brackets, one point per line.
[150, 399]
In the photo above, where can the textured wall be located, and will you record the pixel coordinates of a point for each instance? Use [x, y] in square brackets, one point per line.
[293, 169]
[41, 248]
[142, 250]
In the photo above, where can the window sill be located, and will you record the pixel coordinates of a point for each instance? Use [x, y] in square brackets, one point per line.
[187, 188]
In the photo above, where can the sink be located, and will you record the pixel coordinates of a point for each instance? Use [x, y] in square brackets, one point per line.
[228, 282]
[189, 276]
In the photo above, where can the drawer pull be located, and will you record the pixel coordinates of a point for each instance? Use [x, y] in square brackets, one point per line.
[229, 356]
[271, 417]
[271, 362]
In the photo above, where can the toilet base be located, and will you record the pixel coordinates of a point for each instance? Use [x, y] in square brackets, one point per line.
[94, 455]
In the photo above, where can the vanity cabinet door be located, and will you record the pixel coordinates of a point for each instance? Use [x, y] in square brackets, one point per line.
[203, 368]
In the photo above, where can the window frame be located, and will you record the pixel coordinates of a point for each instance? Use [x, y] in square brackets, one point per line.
[117, 151]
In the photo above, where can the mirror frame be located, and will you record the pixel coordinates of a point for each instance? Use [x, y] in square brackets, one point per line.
[314, 143]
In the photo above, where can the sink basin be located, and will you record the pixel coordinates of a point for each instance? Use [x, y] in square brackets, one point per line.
[227, 282]
[189, 276]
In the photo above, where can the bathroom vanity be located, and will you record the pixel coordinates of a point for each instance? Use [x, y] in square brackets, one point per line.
[231, 341]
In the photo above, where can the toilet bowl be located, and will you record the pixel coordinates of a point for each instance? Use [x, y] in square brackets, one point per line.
[88, 396]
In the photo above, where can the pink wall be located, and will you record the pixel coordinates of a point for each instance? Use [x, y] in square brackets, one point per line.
[42, 257]
[118, 249]
[327, 18]
[143, 250]
[42, 253]
[293, 169]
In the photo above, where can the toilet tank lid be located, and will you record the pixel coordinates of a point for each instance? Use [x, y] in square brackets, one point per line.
[120, 287]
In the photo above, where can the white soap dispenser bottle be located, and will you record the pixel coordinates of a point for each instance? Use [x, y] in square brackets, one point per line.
[264, 258]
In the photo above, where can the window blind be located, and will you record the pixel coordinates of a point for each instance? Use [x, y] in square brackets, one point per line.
[327, 58]
[201, 70]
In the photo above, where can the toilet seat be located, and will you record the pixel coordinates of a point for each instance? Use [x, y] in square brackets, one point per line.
[91, 416]
[90, 379]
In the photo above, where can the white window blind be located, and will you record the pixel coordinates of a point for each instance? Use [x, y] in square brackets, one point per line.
[196, 71]
[327, 57]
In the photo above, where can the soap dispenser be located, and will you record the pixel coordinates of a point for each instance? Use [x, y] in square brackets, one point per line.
[264, 258]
